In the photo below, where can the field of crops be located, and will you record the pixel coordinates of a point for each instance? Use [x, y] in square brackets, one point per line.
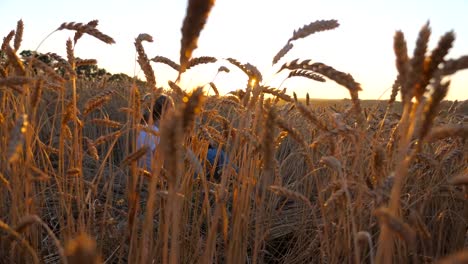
[305, 181]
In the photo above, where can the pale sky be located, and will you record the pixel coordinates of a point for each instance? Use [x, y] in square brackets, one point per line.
[251, 31]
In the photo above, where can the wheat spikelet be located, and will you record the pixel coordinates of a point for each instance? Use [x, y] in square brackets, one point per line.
[431, 108]
[82, 249]
[106, 122]
[73, 172]
[344, 79]
[61, 62]
[194, 21]
[332, 163]
[5, 182]
[277, 93]
[7, 39]
[314, 27]
[402, 61]
[104, 138]
[166, 61]
[15, 61]
[18, 237]
[306, 74]
[200, 60]
[88, 29]
[17, 138]
[67, 132]
[176, 88]
[437, 56]
[397, 225]
[460, 257]
[461, 179]
[296, 135]
[97, 101]
[249, 69]
[452, 66]
[143, 60]
[282, 52]
[415, 75]
[192, 107]
[194, 161]
[290, 194]
[395, 88]
[58, 87]
[79, 33]
[85, 62]
[16, 82]
[91, 149]
[307, 113]
[223, 69]
[448, 131]
[18, 35]
[40, 175]
[135, 156]
[3, 72]
[215, 89]
[49, 71]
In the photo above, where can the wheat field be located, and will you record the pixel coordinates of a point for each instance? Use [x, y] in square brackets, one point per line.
[307, 181]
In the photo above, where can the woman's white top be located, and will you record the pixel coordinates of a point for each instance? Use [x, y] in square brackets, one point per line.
[147, 139]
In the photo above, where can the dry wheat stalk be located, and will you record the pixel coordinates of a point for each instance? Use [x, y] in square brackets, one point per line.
[397, 225]
[17, 138]
[5, 182]
[104, 138]
[23, 241]
[15, 81]
[277, 93]
[82, 249]
[97, 101]
[73, 172]
[344, 79]
[7, 39]
[306, 74]
[460, 257]
[437, 56]
[88, 29]
[79, 33]
[61, 62]
[402, 62]
[307, 113]
[291, 195]
[314, 27]
[194, 21]
[415, 74]
[84, 62]
[251, 71]
[223, 69]
[215, 89]
[431, 108]
[106, 122]
[176, 88]
[49, 71]
[135, 156]
[166, 61]
[91, 149]
[448, 131]
[282, 52]
[15, 61]
[200, 60]
[18, 35]
[452, 66]
[143, 60]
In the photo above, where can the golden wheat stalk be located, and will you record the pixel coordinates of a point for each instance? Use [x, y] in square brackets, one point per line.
[135, 156]
[282, 52]
[306, 74]
[194, 21]
[314, 27]
[251, 71]
[143, 60]
[215, 89]
[415, 74]
[167, 61]
[85, 62]
[402, 62]
[18, 35]
[91, 149]
[97, 101]
[452, 66]
[49, 71]
[17, 138]
[23, 241]
[200, 60]
[291, 195]
[397, 225]
[79, 33]
[223, 69]
[88, 29]
[15, 61]
[7, 39]
[431, 65]
[106, 122]
[104, 138]
[344, 79]
[176, 88]
[277, 93]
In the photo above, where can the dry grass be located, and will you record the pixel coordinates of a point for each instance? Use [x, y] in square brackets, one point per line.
[307, 181]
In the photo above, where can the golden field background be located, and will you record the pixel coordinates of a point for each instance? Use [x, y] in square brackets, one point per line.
[308, 181]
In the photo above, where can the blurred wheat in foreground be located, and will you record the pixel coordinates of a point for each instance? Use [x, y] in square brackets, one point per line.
[307, 181]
